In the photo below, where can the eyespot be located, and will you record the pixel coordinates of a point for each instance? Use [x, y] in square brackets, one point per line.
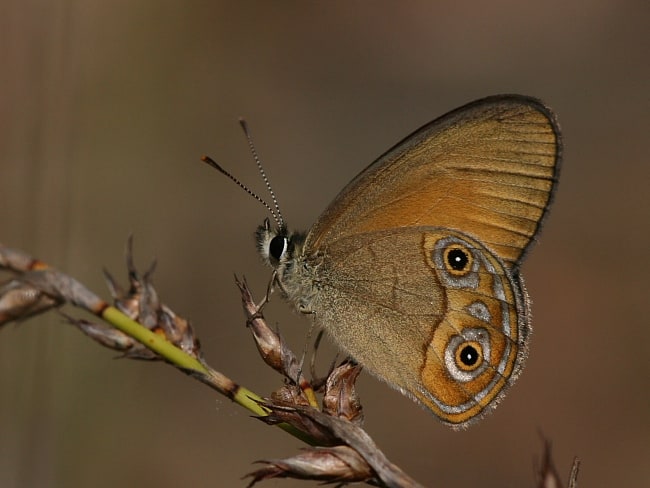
[277, 247]
[455, 260]
[467, 354]
[458, 259]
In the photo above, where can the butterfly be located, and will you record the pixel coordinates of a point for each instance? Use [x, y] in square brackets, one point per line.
[414, 268]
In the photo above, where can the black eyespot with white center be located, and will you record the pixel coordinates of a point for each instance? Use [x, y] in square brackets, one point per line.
[458, 259]
[467, 354]
[455, 260]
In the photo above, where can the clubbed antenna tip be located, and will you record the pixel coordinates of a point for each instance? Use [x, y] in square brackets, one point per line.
[211, 162]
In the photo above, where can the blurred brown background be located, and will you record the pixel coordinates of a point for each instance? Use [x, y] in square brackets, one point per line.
[105, 109]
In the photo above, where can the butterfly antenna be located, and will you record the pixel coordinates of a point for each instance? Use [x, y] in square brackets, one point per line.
[279, 220]
[208, 160]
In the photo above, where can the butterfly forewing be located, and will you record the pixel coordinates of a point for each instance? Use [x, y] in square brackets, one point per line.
[487, 168]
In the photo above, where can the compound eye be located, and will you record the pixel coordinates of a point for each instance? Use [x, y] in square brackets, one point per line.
[277, 247]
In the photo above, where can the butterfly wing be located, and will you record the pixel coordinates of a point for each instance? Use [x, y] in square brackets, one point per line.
[415, 262]
[488, 169]
[450, 334]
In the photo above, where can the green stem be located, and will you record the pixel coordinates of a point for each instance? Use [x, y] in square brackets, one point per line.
[187, 362]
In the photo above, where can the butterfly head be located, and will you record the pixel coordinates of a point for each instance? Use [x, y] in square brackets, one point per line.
[283, 251]
[278, 247]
